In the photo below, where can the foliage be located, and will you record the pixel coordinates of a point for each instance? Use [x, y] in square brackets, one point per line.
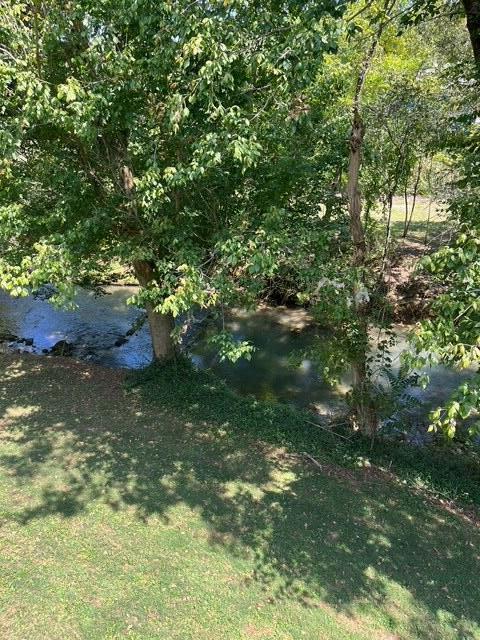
[230, 349]
[398, 107]
[452, 335]
[452, 475]
[210, 141]
[142, 131]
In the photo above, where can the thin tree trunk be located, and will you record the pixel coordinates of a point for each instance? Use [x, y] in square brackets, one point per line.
[384, 208]
[472, 12]
[161, 325]
[388, 232]
[405, 199]
[363, 405]
[363, 400]
[365, 410]
[414, 201]
[391, 193]
[353, 190]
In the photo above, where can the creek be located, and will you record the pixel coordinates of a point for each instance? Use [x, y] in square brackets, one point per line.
[96, 331]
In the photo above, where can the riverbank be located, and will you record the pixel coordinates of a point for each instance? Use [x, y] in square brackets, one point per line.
[158, 504]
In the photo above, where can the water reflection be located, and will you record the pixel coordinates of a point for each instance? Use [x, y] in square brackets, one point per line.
[93, 327]
[275, 372]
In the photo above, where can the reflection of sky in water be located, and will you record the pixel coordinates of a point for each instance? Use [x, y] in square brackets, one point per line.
[97, 322]
[94, 326]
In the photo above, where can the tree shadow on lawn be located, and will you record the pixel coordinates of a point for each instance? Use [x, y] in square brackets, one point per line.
[420, 230]
[332, 536]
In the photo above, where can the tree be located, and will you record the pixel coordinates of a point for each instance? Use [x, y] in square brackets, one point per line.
[421, 10]
[131, 130]
[376, 109]
[452, 335]
[364, 404]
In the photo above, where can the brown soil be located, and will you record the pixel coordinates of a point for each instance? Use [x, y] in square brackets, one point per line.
[409, 292]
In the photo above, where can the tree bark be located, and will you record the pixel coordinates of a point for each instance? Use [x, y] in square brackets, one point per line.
[363, 405]
[388, 233]
[353, 191]
[472, 12]
[363, 401]
[365, 410]
[408, 221]
[363, 397]
[161, 325]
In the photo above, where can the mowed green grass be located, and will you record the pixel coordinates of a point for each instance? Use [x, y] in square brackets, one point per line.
[428, 220]
[128, 514]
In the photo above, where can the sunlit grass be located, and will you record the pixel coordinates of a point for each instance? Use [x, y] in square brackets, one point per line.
[428, 220]
[174, 510]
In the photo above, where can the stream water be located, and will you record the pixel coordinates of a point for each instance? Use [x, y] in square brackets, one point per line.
[99, 324]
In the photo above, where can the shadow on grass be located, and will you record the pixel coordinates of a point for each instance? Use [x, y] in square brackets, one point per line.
[177, 438]
[421, 230]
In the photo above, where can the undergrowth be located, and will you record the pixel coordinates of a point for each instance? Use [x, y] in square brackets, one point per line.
[446, 472]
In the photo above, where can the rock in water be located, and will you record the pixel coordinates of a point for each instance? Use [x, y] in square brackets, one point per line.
[62, 348]
[28, 342]
[45, 292]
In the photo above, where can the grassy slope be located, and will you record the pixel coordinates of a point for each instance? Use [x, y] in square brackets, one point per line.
[158, 513]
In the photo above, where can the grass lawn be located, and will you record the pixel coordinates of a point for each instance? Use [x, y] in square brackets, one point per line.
[428, 220]
[168, 509]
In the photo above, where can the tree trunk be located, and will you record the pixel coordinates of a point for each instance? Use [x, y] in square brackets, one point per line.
[365, 411]
[161, 325]
[353, 191]
[363, 405]
[388, 233]
[472, 12]
[405, 199]
[415, 192]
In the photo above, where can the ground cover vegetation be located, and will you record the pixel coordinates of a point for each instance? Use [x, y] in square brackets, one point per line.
[181, 510]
